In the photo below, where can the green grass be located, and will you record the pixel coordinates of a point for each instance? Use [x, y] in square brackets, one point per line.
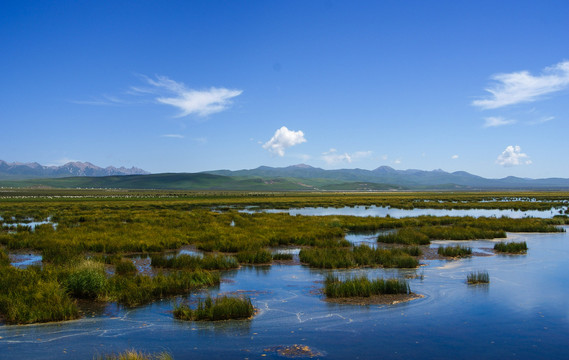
[32, 296]
[511, 247]
[143, 289]
[363, 287]
[254, 257]
[126, 268]
[220, 308]
[87, 280]
[359, 256]
[454, 251]
[193, 262]
[480, 277]
[282, 256]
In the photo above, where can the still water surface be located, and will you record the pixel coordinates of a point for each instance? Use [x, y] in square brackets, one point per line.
[381, 211]
[522, 314]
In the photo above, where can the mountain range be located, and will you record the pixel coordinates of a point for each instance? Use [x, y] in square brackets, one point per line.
[19, 171]
[411, 178]
[264, 178]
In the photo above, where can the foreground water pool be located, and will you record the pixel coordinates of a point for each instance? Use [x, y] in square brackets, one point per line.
[522, 314]
[381, 211]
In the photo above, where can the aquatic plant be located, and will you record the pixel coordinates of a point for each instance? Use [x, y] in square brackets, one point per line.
[254, 257]
[4, 258]
[479, 277]
[363, 255]
[193, 262]
[361, 286]
[31, 295]
[126, 268]
[220, 308]
[511, 247]
[136, 355]
[406, 236]
[454, 251]
[143, 289]
[87, 280]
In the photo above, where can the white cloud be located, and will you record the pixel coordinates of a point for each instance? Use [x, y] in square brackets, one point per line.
[189, 101]
[384, 157]
[397, 162]
[494, 121]
[454, 157]
[62, 161]
[512, 156]
[174, 136]
[519, 87]
[332, 156]
[284, 138]
[541, 120]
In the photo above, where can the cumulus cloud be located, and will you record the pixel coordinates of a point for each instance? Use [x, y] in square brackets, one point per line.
[513, 156]
[332, 156]
[189, 101]
[519, 87]
[284, 138]
[494, 121]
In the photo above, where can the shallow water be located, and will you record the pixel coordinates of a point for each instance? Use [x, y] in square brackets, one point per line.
[380, 211]
[521, 314]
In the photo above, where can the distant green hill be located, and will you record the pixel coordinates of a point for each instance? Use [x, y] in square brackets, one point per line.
[199, 181]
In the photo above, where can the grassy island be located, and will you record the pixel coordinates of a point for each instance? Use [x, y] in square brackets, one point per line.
[220, 308]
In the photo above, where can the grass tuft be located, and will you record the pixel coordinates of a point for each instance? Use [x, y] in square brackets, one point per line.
[480, 277]
[454, 251]
[363, 287]
[511, 247]
[221, 308]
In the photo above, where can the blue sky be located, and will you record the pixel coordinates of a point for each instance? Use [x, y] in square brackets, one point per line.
[187, 86]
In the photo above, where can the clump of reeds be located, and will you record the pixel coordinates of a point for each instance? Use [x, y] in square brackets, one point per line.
[192, 262]
[136, 355]
[511, 247]
[454, 251]
[363, 255]
[4, 258]
[87, 280]
[261, 256]
[361, 286]
[479, 277]
[31, 295]
[407, 236]
[220, 308]
[125, 268]
[142, 289]
[281, 256]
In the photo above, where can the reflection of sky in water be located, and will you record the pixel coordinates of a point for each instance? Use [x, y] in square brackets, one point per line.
[381, 211]
[522, 313]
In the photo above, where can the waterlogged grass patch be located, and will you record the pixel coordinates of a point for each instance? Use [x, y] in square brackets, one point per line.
[363, 255]
[220, 308]
[479, 277]
[361, 286]
[454, 251]
[511, 247]
[87, 281]
[192, 262]
[32, 296]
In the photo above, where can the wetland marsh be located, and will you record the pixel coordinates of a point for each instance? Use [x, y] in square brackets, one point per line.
[198, 253]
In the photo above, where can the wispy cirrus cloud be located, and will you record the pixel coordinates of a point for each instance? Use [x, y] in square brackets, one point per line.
[283, 139]
[520, 87]
[513, 156]
[173, 136]
[189, 101]
[494, 121]
[541, 120]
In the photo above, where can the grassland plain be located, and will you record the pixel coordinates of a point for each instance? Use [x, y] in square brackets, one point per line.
[84, 229]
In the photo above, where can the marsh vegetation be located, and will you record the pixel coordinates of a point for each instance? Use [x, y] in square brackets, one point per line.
[478, 277]
[511, 247]
[101, 228]
[215, 309]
